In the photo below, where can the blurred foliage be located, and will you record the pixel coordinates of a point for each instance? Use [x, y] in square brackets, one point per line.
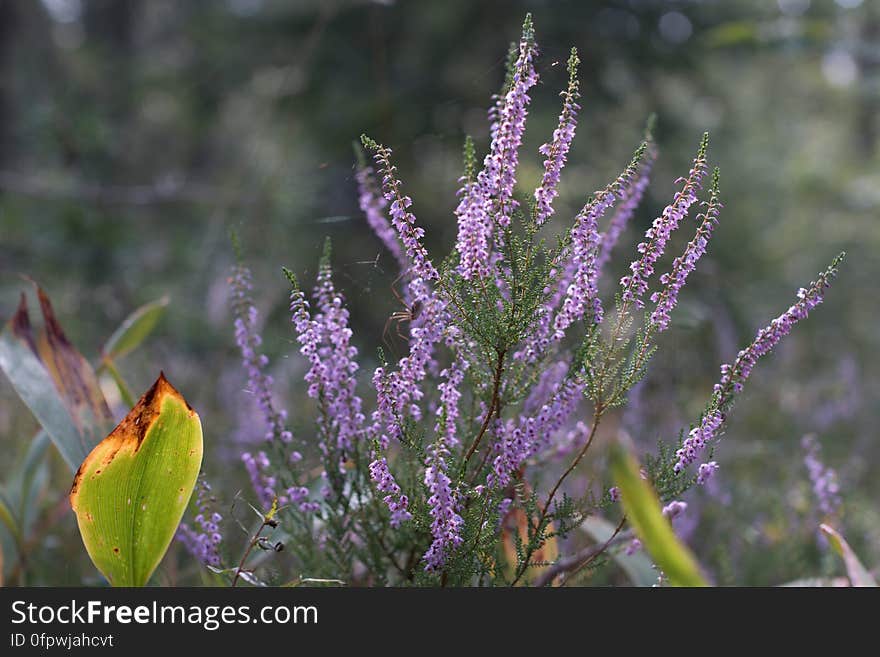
[135, 134]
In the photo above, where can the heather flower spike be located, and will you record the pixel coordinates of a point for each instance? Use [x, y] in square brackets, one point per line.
[373, 205]
[687, 262]
[823, 478]
[202, 540]
[583, 290]
[636, 284]
[734, 375]
[556, 151]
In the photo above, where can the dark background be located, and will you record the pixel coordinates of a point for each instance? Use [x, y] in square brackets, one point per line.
[134, 135]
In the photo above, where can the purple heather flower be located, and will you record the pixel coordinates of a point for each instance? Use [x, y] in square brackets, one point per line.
[733, 376]
[498, 177]
[399, 393]
[248, 339]
[204, 537]
[632, 547]
[630, 199]
[385, 483]
[698, 438]
[823, 478]
[705, 472]
[576, 274]
[656, 237]
[263, 482]
[474, 232]
[685, 264]
[335, 365]
[614, 493]
[489, 199]
[446, 524]
[583, 291]
[403, 220]
[373, 205]
[521, 439]
[556, 151]
[674, 509]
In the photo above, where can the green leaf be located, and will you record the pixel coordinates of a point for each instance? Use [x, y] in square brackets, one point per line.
[642, 507]
[131, 491]
[858, 574]
[54, 381]
[636, 566]
[134, 329]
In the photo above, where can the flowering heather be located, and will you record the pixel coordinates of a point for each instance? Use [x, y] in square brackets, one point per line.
[705, 472]
[336, 365]
[397, 502]
[531, 432]
[674, 509]
[823, 478]
[474, 224]
[498, 177]
[204, 537]
[631, 197]
[734, 375]
[248, 339]
[373, 205]
[635, 285]
[264, 483]
[683, 265]
[583, 290]
[505, 367]
[447, 524]
[403, 220]
[556, 151]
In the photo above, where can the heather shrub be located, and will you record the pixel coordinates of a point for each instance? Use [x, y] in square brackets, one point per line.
[475, 448]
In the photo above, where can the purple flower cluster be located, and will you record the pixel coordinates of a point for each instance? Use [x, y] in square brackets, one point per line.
[823, 478]
[656, 237]
[248, 339]
[734, 375]
[263, 481]
[403, 220]
[576, 273]
[474, 231]
[674, 509]
[446, 523]
[489, 198]
[399, 392]
[630, 199]
[698, 438]
[705, 472]
[498, 177]
[556, 151]
[521, 439]
[335, 366]
[583, 291]
[203, 539]
[373, 205]
[395, 499]
[683, 265]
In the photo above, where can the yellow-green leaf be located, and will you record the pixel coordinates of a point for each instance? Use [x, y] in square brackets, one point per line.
[642, 508]
[131, 491]
[857, 573]
[134, 329]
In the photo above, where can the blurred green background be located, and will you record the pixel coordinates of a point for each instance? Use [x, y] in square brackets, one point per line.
[135, 134]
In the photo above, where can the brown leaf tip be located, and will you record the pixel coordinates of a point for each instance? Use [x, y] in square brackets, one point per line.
[132, 429]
